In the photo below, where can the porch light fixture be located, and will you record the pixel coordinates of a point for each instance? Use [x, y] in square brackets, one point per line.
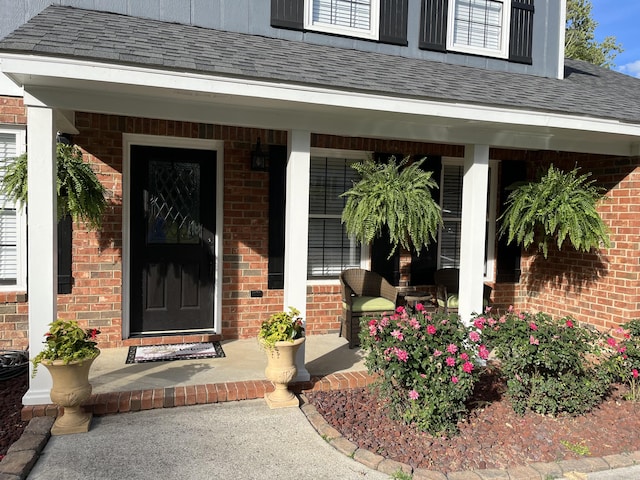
[259, 159]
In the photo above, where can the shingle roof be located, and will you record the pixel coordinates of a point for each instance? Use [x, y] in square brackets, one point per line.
[118, 39]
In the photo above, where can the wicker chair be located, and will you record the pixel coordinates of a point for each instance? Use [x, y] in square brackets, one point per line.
[447, 287]
[363, 293]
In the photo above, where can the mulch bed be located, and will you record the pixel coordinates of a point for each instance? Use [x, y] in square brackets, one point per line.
[492, 437]
[11, 424]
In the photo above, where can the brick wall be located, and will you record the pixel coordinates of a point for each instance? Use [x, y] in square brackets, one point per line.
[600, 288]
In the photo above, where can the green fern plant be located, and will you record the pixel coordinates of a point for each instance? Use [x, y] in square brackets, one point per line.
[80, 193]
[396, 196]
[560, 207]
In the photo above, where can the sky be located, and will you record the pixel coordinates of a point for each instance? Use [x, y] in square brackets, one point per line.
[621, 19]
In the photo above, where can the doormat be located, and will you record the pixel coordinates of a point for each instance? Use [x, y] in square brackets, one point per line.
[177, 351]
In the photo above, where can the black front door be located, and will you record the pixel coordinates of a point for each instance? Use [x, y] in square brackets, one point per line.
[172, 239]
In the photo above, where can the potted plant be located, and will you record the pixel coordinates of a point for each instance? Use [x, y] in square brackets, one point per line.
[558, 208]
[281, 336]
[68, 354]
[396, 197]
[80, 193]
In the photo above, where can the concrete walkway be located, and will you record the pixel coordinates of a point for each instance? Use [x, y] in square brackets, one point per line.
[233, 440]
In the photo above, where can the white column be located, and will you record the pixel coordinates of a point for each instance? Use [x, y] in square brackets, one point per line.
[474, 218]
[42, 248]
[296, 232]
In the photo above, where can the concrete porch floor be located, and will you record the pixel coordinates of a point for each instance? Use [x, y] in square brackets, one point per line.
[244, 360]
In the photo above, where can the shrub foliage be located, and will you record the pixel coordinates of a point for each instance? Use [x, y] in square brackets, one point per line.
[426, 365]
[551, 366]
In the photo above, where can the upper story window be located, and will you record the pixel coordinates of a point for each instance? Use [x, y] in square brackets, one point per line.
[479, 26]
[356, 18]
[491, 28]
[12, 219]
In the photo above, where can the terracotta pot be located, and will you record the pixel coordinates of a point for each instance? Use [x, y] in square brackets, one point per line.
[281, 369]
[71, 388]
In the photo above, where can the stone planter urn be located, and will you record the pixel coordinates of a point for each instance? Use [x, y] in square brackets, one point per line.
[281, 369]
[71, 388]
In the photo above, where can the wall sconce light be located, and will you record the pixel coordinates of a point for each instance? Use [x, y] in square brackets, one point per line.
[259, 159]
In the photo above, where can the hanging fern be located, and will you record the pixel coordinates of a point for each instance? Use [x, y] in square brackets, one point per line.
[80, 193]
[559, 207]
[396, 196]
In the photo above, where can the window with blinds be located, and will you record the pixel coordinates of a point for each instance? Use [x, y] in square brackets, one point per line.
[346, 17]
[451, 203]
[479, 26]
[330, 250]
[8, 216]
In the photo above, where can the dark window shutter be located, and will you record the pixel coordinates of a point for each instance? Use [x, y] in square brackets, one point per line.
[287, 14]
[433, 25]
[424, 265]
[393, 22]
[521, 34]
[65, 279]
[277, 189]
[508, 256]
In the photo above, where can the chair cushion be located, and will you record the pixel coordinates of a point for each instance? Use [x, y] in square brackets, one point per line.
[452, 302]
[372, 304]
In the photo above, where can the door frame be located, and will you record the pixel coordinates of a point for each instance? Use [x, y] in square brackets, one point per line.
[129, 139]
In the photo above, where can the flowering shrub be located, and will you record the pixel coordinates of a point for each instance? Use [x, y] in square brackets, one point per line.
[626, 361]
[425, 364]
[551, 366]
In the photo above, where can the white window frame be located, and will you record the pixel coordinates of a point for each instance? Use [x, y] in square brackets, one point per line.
[371, 34]
[356, 155]
[492, 205]
[21, 218]
[502, 52]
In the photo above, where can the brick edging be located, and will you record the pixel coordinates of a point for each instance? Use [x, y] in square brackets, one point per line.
[136, 400]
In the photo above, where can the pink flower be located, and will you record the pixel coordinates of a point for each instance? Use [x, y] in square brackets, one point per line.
[450, 361]
[533, 340]
[423, 375]
[492, 322]
[474, 336]
[413, 395]
[437, 353]
[419, 307]
[400, 310]
[454, 379]
[467, 367]
[397, 334]
[533, 326]
[569, 324]
[483, 352]
[479, 323]
[401, 354]
[452, 348]
[372, 330]
[415, 324]
[634, 372]
[611, 341]
[431, 329]
[384, 322]
[464, 356]
[622, 349]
